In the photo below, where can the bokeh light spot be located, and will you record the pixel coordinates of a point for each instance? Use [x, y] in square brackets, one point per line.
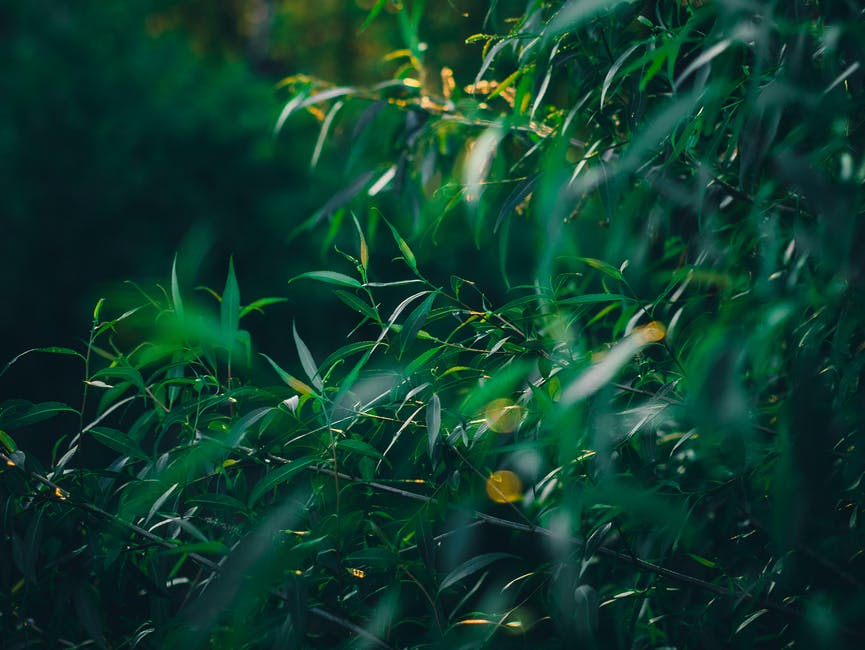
[504, 486]
[502, 415]
[652, 332]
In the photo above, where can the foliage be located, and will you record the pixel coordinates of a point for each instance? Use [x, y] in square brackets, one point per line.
[628, 417]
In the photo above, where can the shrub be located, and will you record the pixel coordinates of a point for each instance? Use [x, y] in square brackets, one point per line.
[641, 433]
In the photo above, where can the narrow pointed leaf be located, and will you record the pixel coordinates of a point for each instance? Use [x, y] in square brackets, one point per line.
[330, 277]
[611, 73]
[471, 566]
[277, 476]
[407, 253]
[290, 380]
[306, 360]
[258, 304]
[230, 307]
[433, 422]
[358, 304]
[414, 322]
[175, 291]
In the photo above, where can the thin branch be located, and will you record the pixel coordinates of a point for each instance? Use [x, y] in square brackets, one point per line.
[669, 574]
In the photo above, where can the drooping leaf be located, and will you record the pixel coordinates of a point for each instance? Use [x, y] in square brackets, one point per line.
[256, 305]
[330, 277]
[35, 413]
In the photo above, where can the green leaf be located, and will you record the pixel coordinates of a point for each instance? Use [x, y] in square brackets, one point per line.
[471, 566]
[703, 561]
[433, 422]
[343, 196]
[407, 254]
[7, 442]
[611, 73]
[420, 361]
[230, 307]
[118, 441]
[97, 310]
[360, 306]
[306, 360]
[414, 322]
[379, 5]
[123, 372]
[750, 619]
[258, 304]
[362, 245]
[37, 413]
[291, 381]
[360, 447]
[490, 57]
[593, 298]
[241, 426]
[603, 267]
[344, 352]
[302, 100]
[277, 476]
[158, 503]
[330, 277]
[176, 298]
[502, 383]
[596, 539]
[48, 350]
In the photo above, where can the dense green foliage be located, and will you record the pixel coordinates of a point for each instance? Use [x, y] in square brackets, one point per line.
[601, 386]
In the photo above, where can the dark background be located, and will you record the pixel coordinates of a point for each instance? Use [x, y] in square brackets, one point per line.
[134, 130]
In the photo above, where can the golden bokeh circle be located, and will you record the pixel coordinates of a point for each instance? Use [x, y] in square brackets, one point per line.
[503, 415]
[652, 332]
[503, 486]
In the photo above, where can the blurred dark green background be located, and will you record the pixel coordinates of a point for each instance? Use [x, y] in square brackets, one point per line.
[134, 129]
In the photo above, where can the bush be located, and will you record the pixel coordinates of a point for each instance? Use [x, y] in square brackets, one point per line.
[629, 417]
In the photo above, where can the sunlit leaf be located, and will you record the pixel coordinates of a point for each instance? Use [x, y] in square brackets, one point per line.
[329, 277]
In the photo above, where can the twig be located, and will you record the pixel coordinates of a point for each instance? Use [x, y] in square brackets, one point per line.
[670, 574]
